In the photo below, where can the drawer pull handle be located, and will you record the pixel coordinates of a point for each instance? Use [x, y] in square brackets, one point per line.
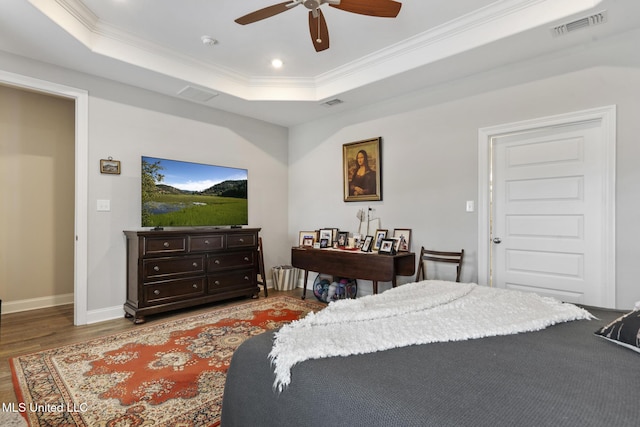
[216, 282]
[246, 277]
[195, 286]
[246, 258]
[156, 268]
[241, 240]
[156, 292]
[217, 261]
[165, 244]
[206, 242]
[195, 264]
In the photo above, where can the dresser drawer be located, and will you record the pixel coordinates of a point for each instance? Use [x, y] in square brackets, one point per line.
[174, 290]
[206, 243]
[164, 268]
[233, 280]
[165, 245]
[230, 260]
[179, 268]
[241, 241]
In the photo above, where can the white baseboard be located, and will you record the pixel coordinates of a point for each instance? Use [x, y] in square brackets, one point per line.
[35, 303]
[93, 316]
[103, 314]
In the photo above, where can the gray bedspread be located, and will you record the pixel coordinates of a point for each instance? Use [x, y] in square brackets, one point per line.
[561, 376]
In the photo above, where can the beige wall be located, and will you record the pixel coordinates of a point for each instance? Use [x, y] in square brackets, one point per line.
[36, 198]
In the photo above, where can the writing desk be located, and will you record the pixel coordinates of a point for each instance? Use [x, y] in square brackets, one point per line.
[353, 264]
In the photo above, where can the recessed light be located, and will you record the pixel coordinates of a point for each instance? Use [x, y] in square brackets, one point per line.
[208, 41]
[277, 63]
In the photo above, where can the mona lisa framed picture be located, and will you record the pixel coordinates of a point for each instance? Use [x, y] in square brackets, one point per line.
[362, 170]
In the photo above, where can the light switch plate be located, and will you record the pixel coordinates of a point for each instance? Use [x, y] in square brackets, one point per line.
[103, 205]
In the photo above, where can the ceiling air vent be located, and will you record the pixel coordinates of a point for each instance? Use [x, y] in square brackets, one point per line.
[196, 94]
[587, 21]
[332, 102]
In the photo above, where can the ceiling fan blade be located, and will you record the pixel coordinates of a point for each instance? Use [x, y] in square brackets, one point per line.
[318, 31]
[266, 12]
[380, 8]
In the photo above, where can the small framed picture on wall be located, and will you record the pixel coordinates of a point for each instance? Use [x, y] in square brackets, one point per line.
[110, 166]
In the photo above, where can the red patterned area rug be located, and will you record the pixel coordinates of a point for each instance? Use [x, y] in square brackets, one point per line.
[168, 374]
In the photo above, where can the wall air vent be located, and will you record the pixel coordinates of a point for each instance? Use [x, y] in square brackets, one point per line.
[332, 102]
[587, 21]
[196, 94]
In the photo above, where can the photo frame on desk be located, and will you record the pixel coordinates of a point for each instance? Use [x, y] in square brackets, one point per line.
[404, 235]
[377, 238]
[396, 245]
[343, 238]
[366, 245]
[388, 247]
[327, 234]
[307, 238]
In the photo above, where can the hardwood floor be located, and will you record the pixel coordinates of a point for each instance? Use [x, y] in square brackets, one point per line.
[36, 330]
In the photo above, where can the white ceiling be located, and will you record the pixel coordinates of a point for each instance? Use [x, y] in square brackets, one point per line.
[156, 45]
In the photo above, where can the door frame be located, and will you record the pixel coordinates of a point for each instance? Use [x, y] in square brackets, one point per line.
[81, 208]
[607, 117]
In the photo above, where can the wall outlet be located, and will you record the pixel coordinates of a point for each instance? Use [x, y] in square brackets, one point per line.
[470, 206]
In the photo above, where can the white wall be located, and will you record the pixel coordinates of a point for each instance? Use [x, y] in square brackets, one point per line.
[126, 123]
[430, 150]
[127, 132]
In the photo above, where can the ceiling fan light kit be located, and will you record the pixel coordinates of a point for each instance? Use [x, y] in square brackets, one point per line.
[318, 29]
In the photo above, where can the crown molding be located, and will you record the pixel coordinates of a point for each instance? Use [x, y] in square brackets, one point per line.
[496, 21]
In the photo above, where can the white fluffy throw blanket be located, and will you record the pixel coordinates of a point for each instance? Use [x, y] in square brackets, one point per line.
[415, 313]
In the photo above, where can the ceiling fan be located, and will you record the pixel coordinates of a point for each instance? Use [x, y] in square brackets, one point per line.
[317, 24]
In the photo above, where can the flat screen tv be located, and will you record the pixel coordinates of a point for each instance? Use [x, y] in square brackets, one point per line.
[176, 193]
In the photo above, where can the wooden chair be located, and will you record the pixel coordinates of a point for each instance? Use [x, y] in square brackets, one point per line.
[438, 256]
[262, 278]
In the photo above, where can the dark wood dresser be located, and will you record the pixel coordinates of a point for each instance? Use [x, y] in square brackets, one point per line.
[174, 269]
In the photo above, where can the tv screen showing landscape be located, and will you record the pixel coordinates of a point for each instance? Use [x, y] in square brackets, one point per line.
[185, 194]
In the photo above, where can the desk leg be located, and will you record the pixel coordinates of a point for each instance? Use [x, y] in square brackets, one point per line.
[304, 285]
[375, 287]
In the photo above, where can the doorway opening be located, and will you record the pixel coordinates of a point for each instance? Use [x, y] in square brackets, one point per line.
[81, 99]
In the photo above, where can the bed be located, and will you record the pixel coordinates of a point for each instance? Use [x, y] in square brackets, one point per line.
[563, 375]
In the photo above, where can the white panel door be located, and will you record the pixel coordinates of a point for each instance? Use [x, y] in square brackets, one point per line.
[547, 233]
